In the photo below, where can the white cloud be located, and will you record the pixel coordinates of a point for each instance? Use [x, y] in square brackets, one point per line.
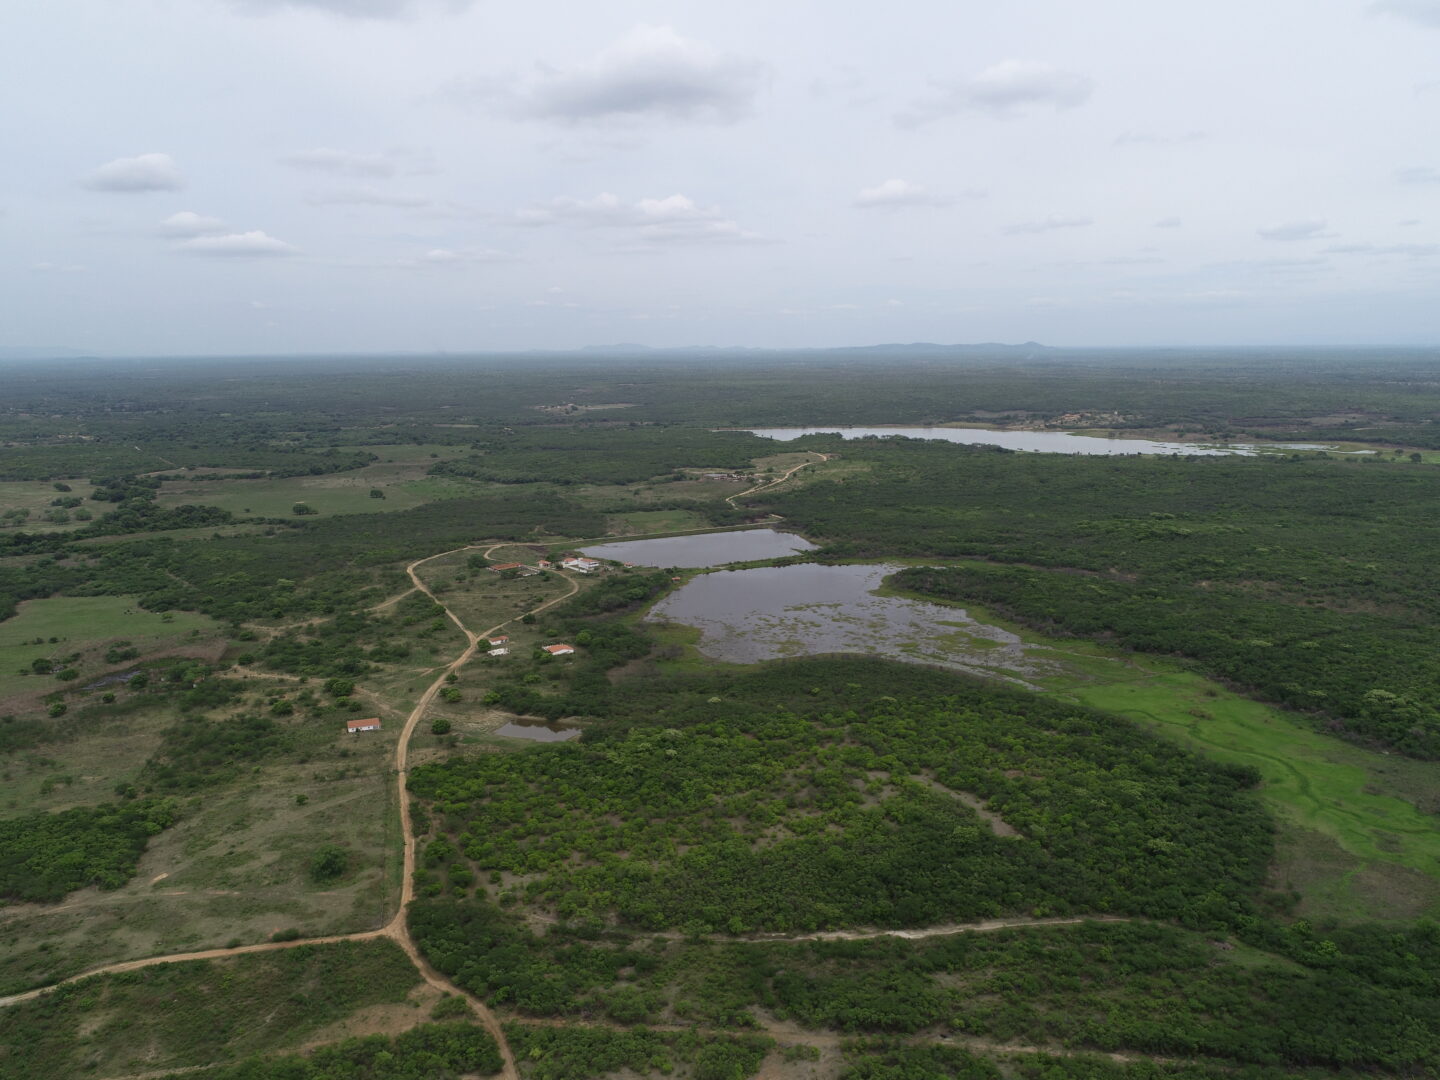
[366, 196]
[449, 257]
[1424, 12]
[1416, 250]
[1309, 229]
[354, 9]
[253, 244]
[1418, 174]
[1168, 223]
[652, 73]
[1150, 138]
[1004, 90]
[1048, 223]
[675, 219]
[896, 193]
[189, 223]
[324, 159]
[144, 172]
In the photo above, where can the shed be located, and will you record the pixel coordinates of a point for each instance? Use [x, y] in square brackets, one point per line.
[354, 727]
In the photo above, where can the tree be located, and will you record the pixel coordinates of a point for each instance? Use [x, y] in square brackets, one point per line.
[376, 493]
[440, 726]
[329, 863]
[339, 687]
[301, 508]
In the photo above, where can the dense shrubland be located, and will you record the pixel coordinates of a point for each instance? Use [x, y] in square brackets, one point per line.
[1312, 583]
[43, 856]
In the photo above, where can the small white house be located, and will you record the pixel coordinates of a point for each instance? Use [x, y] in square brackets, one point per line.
[581, 565]
[503, 639]
[354, 727]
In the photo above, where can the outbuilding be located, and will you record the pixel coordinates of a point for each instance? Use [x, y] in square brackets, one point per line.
[354, 727]
[560, 650]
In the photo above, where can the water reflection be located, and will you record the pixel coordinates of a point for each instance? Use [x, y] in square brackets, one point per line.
[1050, 442]
[538, 730]
[746, 616]
[707, 549]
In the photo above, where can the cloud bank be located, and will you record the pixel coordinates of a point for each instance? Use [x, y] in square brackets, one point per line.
[144, 172]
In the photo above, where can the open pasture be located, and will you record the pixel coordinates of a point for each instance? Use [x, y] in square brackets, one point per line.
[57, 628]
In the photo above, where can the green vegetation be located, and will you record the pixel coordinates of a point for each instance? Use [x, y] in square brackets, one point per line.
[82, 630]
[199, 1012]
[824, 818]
[694, 887]
[1306, 581]
[44, 856]
[429, 1052]
[588, 1053]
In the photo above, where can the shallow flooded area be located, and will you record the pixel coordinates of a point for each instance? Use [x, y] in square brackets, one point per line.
[746, 616]
[1049, 442]
[538, 730]
[707, 549]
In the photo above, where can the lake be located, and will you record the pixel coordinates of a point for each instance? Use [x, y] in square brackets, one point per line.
[746, 616]
[538, 730]
[704, 549]
[1048, 442]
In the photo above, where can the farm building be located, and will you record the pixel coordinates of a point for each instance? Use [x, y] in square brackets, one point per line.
[501, 651]
[503, 639]
[560, 650]
[581, 565]
[500, 568]
[354, 727]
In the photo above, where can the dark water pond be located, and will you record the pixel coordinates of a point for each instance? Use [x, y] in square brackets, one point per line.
[1050, 442]
[538, 730]
[706, 549]
[746, 616]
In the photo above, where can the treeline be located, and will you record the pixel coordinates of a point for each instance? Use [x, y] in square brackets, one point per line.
[44, 856]
[590, 1053]
[305, 568]
[1374, 679]
[1314, 583]
[600, 454]
[733, 817]
[428, 1052]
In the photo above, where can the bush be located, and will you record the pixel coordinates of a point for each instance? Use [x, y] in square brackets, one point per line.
[329, 863]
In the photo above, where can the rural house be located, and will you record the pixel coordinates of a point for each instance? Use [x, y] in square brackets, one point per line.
[354, 727]
[560, 650]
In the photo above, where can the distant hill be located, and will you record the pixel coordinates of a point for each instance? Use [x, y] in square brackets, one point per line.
[39, 352]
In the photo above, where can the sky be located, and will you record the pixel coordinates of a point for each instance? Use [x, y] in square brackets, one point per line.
[204, 177]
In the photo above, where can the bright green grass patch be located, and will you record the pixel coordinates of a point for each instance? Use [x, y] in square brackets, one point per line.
[1313, 780]
[1363, 802]
[35, 497]
[336, 493]
[653, 521]
[81, 623]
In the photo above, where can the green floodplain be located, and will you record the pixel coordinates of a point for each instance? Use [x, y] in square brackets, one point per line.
[1153, 793]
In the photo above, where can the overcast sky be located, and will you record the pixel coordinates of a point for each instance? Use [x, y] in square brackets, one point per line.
[259, 176]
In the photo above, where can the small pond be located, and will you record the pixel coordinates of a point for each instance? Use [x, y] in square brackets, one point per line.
[746, 616]
[538, 730]
[1050, 442]
[704, 549]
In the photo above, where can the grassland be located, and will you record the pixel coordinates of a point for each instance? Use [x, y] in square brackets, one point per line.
[654, 521]
[35, 497]
[84, 624]
[235, 867]
[1362, 839]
